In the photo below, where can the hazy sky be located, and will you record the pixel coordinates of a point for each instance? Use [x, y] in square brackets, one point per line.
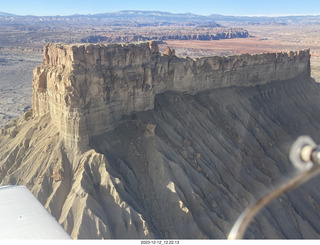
[203, 7]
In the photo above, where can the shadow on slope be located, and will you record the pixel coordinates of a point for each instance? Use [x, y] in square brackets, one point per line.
[194, 163]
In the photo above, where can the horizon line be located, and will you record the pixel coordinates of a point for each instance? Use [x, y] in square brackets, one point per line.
[205, 15]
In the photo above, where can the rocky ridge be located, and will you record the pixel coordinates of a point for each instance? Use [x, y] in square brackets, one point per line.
[183, 159]
[204, 35]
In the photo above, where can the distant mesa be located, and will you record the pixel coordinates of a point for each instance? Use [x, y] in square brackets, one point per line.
[203, 35]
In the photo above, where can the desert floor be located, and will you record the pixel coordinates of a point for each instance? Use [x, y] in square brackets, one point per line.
[16, 83]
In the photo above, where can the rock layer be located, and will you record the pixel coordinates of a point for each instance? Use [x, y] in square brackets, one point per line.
[88, 88]
[159, 158]
[204, 35]
[186, 169]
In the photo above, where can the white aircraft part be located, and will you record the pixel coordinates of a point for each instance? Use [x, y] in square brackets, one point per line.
[22, 216]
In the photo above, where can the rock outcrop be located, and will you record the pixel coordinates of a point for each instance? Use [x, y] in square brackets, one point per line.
[204, 35]
[87, 88]
[125, 142]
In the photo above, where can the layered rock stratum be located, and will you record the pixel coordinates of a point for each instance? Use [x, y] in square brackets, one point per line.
[125, 142]
[204, 35]
[87, 88]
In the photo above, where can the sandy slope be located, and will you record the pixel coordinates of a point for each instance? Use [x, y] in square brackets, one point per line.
[239, 141]
[209, 156]
[77, 190]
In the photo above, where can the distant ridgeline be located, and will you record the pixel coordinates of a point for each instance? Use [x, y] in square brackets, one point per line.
[86, 89]
[214, 34]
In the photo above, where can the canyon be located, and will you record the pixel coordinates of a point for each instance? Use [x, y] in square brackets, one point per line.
[123, 141]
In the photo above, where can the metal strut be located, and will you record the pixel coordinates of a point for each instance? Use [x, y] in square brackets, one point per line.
[305, 156]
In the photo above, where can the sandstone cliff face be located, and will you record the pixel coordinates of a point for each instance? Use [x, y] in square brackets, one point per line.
[87, 88]
[186, 169]
[122, 143]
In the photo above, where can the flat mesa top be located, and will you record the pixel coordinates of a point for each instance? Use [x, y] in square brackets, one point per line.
[123, 45]
[60, 53]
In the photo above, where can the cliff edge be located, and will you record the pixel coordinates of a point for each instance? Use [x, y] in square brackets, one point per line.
[86, 89]
[203, 139]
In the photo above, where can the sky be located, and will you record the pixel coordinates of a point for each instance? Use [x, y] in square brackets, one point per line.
[201, 7]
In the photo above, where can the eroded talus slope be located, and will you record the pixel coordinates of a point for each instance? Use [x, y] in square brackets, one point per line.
[80, 191]
[186, 169]
[212, 154]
